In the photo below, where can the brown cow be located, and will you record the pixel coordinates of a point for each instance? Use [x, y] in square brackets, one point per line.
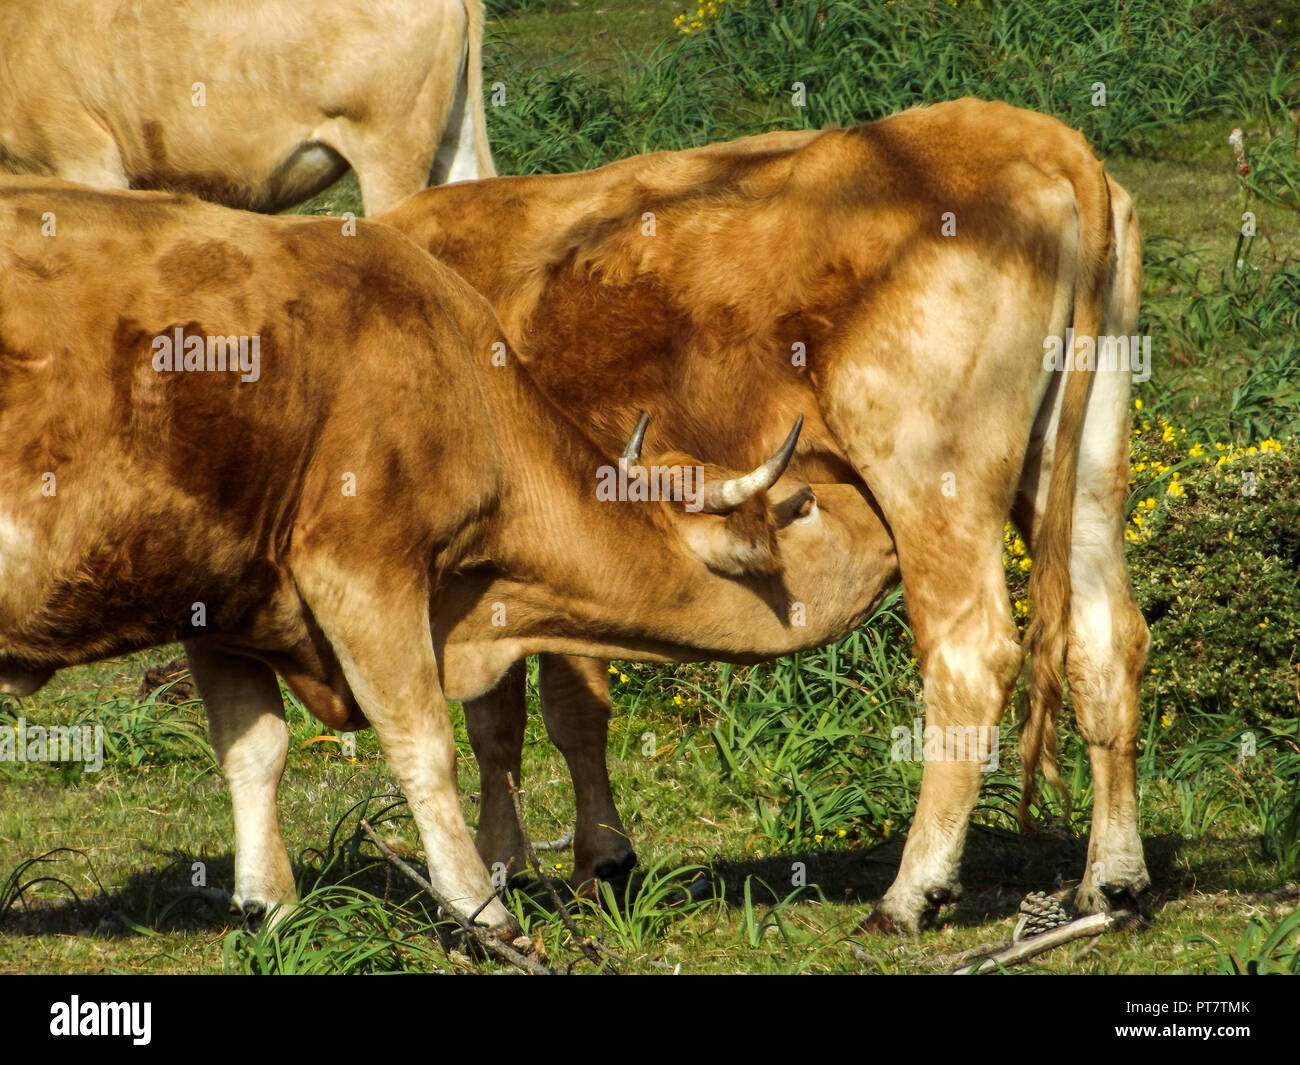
[310, 453]
[252, 103]
[912, 285]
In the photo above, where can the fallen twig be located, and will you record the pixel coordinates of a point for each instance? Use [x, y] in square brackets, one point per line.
[589, 946]
[1092, 925]
[1281, 894]
[965, 957]
[494, 947]
[563, 843]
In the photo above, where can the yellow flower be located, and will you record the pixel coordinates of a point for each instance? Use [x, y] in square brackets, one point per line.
[1137, 404]
[1164, 720]
[842, 833]
[622, 678]
[613, 668]
[677, 700]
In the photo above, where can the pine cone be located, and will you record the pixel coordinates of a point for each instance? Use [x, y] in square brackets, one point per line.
[1039, 913]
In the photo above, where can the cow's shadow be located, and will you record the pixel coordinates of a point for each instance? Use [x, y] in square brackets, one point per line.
[999, 869]
[166, 899]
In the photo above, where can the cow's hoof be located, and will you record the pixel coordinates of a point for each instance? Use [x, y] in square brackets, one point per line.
[615, 868]
[881, 923]
[1110, 898]
[474, 947]
[252, 912]
[889, 918]
[257, 912]
[614, 871]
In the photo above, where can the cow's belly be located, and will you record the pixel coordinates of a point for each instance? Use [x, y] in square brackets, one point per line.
[269, 176]
[69, 595]
[309, 169]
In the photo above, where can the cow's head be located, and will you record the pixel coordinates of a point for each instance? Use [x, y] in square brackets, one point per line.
[729, 520]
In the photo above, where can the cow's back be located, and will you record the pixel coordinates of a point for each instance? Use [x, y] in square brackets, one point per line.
[710, 287]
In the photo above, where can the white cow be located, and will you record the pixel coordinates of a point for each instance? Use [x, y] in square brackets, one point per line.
[252, 103]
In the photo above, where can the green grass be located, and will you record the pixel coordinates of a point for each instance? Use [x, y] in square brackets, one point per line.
[776, 781]
[533, 33]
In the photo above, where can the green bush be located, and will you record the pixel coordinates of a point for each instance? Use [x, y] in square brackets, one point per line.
[1215, 560]
[1113, 68]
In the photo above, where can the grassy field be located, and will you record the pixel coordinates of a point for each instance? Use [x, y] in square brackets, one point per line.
[772, 787]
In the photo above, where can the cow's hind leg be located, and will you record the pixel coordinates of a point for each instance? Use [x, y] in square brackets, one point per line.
[1107, 650]
[944, 466]
[576, 707]
[246, 725]
[495, 722]
[970, 657]
[396, 148]
[378, 625]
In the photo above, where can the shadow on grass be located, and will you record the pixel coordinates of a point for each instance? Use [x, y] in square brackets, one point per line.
[38, 898]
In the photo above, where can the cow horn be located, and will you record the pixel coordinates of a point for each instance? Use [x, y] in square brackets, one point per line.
[632, 452]
[722, 497]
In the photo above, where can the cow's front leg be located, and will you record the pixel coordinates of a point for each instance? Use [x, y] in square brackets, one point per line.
[251, 741]
[495, 722]
[576, 708]
[378, 626]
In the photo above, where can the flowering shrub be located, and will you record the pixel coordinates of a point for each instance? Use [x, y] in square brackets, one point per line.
[704, 15]
[1213, 536]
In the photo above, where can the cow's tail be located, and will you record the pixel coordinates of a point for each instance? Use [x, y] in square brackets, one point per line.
[1049, 581]
[474, 88]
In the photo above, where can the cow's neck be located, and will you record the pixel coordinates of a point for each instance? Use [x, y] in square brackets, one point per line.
[574, 572]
